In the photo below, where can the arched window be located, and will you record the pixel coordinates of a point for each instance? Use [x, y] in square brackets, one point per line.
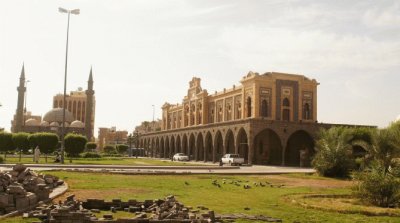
[286, 110]
[306, 112]
[286, 102]
[264, 108]
[249, 107]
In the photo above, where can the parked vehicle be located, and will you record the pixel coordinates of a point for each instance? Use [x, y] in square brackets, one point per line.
[232, 159]
[180, 157]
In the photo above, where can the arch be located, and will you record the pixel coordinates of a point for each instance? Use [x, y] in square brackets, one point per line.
[229, 142]
[242, 144]
[218, 147]
[184, 144]
[152, 147]
[192, 147]
[178, 144]
[157, 147]
[264, 108]
[286, 102]
[199, 147]
[162, 148]
[208, 147]
[267, 148]
[299, 149]
[172, 147]
[167, 148]
[248, 103]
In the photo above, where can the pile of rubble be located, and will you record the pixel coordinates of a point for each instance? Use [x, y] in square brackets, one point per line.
[23, 188]
[148, 211]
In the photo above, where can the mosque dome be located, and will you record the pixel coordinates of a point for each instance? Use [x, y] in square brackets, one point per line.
[77, 124]
[56, 115]
[44, 123]
[31, 122]
[54, 124]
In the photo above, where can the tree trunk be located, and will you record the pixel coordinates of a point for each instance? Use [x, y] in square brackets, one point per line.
[45, 156]
[20, 155]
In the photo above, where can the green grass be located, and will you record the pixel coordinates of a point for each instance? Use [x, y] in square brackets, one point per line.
[105, 161]
[227, 199]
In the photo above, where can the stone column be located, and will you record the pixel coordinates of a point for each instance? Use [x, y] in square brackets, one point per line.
[250, 150]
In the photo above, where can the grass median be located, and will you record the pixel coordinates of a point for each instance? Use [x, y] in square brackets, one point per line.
[277, 201]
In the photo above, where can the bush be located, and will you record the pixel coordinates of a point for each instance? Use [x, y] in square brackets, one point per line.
[90, 155]
[121, 148]
[90, 146]
[21, 141]
[74, 144]
[6, 143]
[109, 149]
[1, 159]
[378, 187]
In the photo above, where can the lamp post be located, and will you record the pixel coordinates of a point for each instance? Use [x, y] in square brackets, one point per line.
[74, 12]
[153, 117]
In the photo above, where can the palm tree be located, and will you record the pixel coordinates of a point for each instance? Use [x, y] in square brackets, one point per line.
[334, 149]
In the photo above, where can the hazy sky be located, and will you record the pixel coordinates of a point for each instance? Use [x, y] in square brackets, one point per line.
[146, 52]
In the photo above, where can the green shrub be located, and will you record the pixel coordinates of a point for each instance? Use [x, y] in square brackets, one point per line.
[1, 159]
[378, 187]
[90, 155]
[121, 148]
[109, 149]
[74, 144]
[90, 146]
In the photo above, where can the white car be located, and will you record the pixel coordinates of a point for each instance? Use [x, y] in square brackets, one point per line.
[180, 157]
[232, 159]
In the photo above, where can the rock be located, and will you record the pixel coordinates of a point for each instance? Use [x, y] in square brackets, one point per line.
[19, 167]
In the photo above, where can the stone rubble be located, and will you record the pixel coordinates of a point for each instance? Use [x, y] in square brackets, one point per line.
[22, 188]
[148, 211]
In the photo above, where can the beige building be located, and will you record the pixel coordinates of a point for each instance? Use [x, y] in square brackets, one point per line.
[76, 104]
[149, 126]
[268, 118]
[271, 96]
[111, 136]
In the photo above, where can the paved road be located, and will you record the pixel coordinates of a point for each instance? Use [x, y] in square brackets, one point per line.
[207, 169]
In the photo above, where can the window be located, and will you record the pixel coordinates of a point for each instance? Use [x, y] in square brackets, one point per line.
[264, 108]
[249, 107]
[306, 112]
[286, 102]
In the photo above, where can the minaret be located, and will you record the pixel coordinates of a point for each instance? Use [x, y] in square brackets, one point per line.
[20, 105]
[89, 108]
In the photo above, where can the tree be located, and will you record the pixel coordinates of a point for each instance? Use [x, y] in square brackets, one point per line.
[47, 142]
[109, 149]
[379, 183]
[6, 143]
[334, 149]
[121, 148]
[74, 144]
[91, 146]
[21, 142]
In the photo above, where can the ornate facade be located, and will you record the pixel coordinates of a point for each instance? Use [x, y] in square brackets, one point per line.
[269, 119]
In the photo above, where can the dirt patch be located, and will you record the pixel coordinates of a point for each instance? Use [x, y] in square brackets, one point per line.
[84, 194]
[302, 182]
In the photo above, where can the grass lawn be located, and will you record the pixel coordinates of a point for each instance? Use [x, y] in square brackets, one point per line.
[270, 201]
[106, 161]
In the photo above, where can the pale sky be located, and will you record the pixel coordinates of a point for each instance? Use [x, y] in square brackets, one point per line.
[144, 53]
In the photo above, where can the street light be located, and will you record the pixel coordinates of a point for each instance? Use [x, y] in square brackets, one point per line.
[75, 12]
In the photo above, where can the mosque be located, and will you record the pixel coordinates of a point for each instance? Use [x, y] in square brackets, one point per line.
[79, 112]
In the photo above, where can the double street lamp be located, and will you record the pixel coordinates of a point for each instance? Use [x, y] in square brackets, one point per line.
[69, 12]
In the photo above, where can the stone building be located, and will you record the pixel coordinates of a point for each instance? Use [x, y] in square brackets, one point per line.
[111, 136]
[149, 126]
[80, 106]
[268, 119]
